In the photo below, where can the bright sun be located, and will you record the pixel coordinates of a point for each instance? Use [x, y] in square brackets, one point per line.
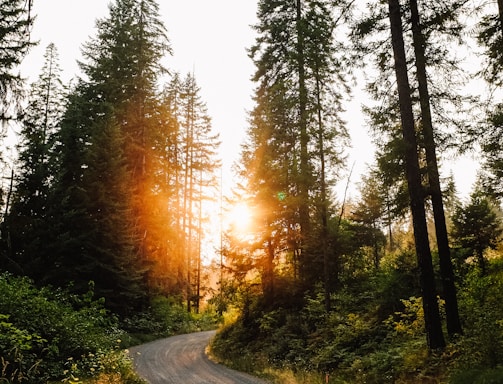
[240, 217]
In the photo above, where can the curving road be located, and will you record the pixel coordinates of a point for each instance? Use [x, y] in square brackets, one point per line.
[182, 359]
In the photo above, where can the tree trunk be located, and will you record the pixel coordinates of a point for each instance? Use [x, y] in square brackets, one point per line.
[268, 276]
[323, 198]
[446, 269]
[500, 15]
[433, 324]
[304, 137]
[482, 261]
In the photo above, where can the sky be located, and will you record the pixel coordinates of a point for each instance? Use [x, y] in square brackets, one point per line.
[209, 39]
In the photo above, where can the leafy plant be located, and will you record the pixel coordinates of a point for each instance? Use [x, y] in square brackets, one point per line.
[41, 329]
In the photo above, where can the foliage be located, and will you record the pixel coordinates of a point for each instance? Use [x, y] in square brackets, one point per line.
[110, 367]
[42, 328]
[482, 346]
[164, 317]
[374, 334]
[15, 25]
[26, 223]
[16, 347]
[477, 227]
[48, 334]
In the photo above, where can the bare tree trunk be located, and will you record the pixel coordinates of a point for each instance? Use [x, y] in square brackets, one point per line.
[433, 325]
[500, 15]
[304, 137]
[323, 198]
[446, 269]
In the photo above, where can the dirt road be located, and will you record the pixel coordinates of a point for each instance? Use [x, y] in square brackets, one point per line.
[182, 360]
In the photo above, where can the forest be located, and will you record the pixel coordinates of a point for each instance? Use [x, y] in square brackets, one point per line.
[106, 211]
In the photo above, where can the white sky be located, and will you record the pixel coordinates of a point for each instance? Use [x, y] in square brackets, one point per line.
[210, 39]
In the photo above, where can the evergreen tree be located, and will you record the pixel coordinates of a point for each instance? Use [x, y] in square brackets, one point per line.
[294, 130]
[489, 132]
[370, 213]
[432, 171]
[490, 36]
[430, 306]
[124, 63]
[184, 181]
[198, 166]
[491, 140]
[108, 258]
[102, 196]
[477, 227]
[26, 222]
[171, 265]
[15, 27]
[427, 28]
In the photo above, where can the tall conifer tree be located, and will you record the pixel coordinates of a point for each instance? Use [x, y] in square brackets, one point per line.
[15, 27]
[428, 27]
[198, 166]
[430, 306]
[26, 222]
[107, 157]
[294, 130]
[490, 37]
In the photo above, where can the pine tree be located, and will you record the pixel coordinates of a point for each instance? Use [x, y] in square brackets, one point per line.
[26, 222]
[370, 211]
[426, 27]
[430, 306]
[102, 196]
[124, 61]
[15, 27]
[294, 131]
[490, 36]
[432, 171]
[116, 272]
[489, 133]
[476, 227]
[198, 153]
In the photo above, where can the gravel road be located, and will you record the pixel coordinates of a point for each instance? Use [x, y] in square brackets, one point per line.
[182, 360]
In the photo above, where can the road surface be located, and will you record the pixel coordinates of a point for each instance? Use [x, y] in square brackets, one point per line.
[182, 360]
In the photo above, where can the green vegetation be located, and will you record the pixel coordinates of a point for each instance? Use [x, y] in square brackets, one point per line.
[374, 334]
[50, 335]
[104, 212]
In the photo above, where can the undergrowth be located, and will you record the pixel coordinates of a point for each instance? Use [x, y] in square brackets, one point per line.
[359, 342]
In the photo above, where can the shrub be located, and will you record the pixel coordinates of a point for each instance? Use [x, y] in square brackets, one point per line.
[43, 328]
[102, 367]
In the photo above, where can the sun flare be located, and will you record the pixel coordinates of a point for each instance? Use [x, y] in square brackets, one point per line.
[240, 217]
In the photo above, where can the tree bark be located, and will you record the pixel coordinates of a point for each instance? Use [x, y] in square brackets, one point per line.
[304, 136]
[500, 15]
[433, 325]
[446, 269]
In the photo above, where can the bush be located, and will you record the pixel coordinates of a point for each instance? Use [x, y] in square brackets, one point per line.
[101, 368]
[43, 328]
[478, 376]
[16, 350]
